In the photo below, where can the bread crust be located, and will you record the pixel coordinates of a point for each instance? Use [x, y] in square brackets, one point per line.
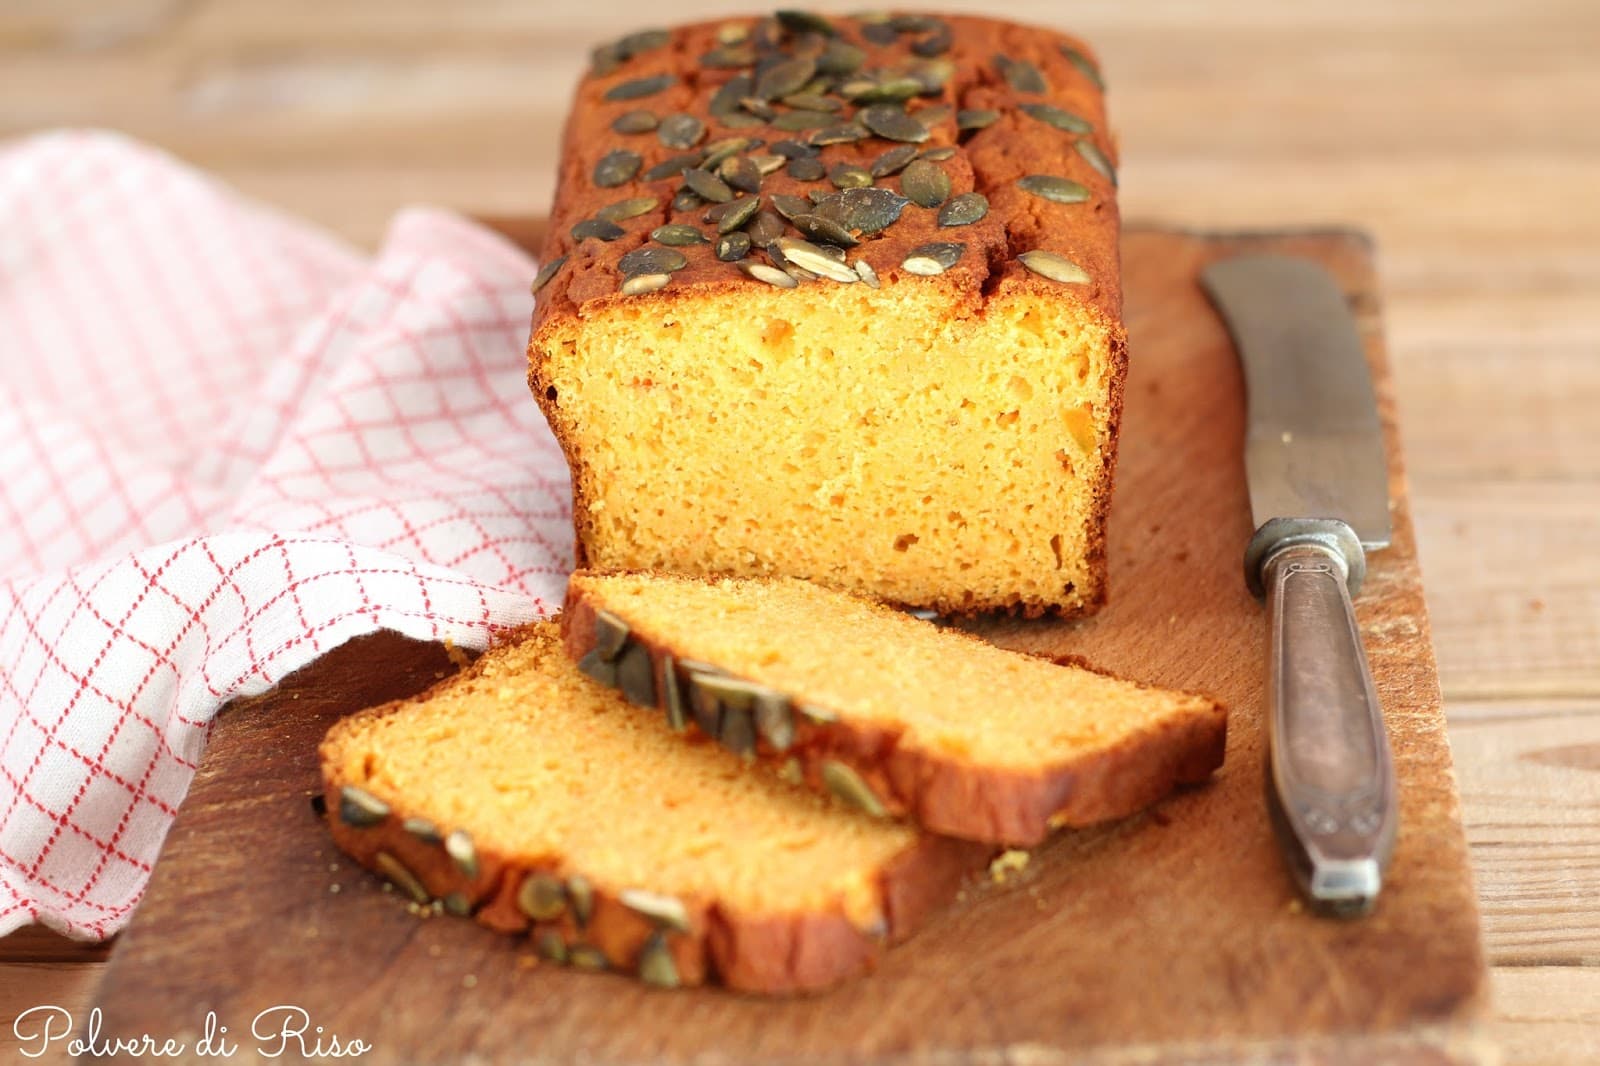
[989, 161]
[761, 953]
[944, 795]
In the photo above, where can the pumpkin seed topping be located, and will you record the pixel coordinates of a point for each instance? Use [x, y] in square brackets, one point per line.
[1081, 61]
[1021, 75]
[1055, 266]
[649, 260]
[617, 167]
[893, 161]
[963, 210]
[360, 808]
[638, 88]
[680, 131]
[640, 121]
[550, 946]
[656, 965]
[1055, 116]
[580, 895]
[707, 186]
[401, 877]
[1050, 187]
[849, 176]
[769, 274]
[542, 897]
[867, 274]
[597, 228]
[738, 213]
[458, 845]
[806, 168]
[666, 911]
[423, 830]
[863, 210]
[672, 691]
[893, 124]
[808, 256]
[637, 285]
[925, 183]
[847, 785]
[587, 957]
[976, 118]
[546, 272]
[785, 76]
[939, 154]
[929, 260]
[1096, 158]
[636, 675]
[677, 234]
[626, 209]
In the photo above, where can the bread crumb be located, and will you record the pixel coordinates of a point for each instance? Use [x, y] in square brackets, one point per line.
[456, 656]
[334, 889]
[1008, 862]
[469, 980]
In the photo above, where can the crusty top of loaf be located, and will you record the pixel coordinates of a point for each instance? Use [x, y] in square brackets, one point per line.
[985, 65]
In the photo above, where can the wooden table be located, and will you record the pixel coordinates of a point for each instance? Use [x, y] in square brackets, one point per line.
[1463, 134]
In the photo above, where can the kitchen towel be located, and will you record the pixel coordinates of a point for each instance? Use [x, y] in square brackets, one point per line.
[229, 443]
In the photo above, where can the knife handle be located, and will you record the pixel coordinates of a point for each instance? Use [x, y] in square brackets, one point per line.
[1330, 776]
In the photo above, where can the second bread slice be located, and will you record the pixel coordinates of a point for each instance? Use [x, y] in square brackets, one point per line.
[897, 715]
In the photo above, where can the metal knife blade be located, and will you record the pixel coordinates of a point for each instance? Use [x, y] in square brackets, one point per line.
[1313, 446]
[1318, 482]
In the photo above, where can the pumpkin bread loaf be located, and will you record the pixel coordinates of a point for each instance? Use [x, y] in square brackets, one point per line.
[525, 794]
[895, 714]
[838, 298]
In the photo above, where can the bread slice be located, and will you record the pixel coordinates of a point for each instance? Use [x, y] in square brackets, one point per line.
[900, 379]
[897, 714]
[525, 794]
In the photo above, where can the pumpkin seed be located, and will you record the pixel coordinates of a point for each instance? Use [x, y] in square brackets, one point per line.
[741, 173]
[733, 32]
[638, 88]
[754, 105]
[656, 965]
[800, 274]
[791, 149]
[598, 228]
[636, 675]
[648, 260]
[843, 134]
[785, 77]
[879, 33]
[933, 74]
[932, 259]
[610, 632]
[707, 186]
[626, 209]
[912, 23]
[939, 154]
[805, 169]
[704, 706]
[790, 206]
[804, 22]
[738, 213]
[925, 183]
[840, 59]
[635, 122]
[591, 664]
[677, 234]
[550, 946]
[546, 272]
[769, 274]
[672, 166]
[686, 200]
[863, 210]
[1050, 187]
[767, 163]
[542, 897]
[774, 720]
[680, 131]
[724, 103]
[580, 896]
[641, 41]
[616, 168]
[677, 721]
[638, 285]
[458, 845]
[1096, 158]
[815, 714]
[936, 43]
[849, 176]
[847, 785]
[934, 116]
[1055, 266]
[964, 210]
[360, 808]
[868, 275]
[765, 228]
[605, 59]
[1021, 75]
[587, 957]
[458, 904]
[893, 161]
[729, 56]
[423, 830]
[1055, 116]
[808, 256]
[976, 118]
[810, 101]
[892, 123]
[1082, 62]
[719, 151]
[737, 730]
[797, 121]
[666, 911]
[401, 877]
[825, 230]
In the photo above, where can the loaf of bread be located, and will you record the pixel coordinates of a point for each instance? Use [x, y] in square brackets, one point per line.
[892, 713]
[525, 794]
[838, 298]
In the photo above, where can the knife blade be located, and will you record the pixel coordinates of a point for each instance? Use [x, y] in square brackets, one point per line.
[1318, 479]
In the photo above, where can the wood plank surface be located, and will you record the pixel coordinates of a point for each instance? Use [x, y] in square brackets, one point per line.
[1460, 133]
[1176, 934]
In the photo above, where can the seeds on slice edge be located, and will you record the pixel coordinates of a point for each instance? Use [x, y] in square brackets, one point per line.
[1096, 158]
[769, 274]
[458, 845]
[964, 210]
[1055, 189]
[637, 285]
[656, 965]
[360, 808]
[542, 897]
[929, 260]
[546, 272]
[666, 911]
[847, 785]
[1054, 266]
[808, 256]
[401, 877]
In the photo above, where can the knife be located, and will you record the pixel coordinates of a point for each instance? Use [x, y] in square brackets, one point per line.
[1319, 498]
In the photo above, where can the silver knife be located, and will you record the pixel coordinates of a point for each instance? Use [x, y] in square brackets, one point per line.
[1319, 493]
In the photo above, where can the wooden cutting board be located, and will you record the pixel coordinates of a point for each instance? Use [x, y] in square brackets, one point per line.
[1172, 937]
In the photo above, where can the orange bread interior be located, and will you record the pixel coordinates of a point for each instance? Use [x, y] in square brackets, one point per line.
[547, 768]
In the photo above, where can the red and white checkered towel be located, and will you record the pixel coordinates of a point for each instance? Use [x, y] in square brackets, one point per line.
[228, 443]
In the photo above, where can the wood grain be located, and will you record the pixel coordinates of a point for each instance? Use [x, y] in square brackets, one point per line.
[1176, 934]
[1461, 133]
